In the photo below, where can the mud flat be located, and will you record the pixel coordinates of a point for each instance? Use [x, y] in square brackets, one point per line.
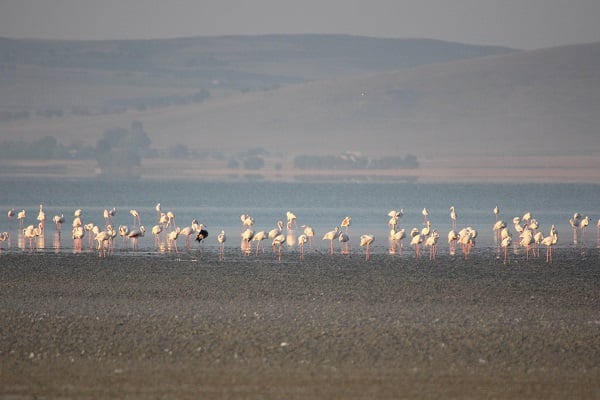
[153, 326]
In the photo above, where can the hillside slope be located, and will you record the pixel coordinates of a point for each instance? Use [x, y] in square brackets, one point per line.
[542, 102]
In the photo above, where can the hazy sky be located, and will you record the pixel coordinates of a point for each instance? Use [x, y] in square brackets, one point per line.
[523, 24]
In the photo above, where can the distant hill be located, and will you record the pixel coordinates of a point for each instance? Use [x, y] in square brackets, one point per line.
[311, 94]
[106, 75]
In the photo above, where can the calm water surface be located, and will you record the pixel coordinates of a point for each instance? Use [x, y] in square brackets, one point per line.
[321, 205]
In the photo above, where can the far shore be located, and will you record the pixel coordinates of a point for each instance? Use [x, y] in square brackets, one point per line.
[479, 169]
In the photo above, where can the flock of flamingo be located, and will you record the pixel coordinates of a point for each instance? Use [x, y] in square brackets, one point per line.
[166, 233]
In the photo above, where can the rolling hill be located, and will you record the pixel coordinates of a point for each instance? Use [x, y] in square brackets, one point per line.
[326, 95]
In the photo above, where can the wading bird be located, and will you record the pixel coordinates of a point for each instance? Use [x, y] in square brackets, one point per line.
[365, 241]
[331, 236]
[505, 244]
[278, 241]
[221, 238]
[247, 236]
[202, 233]
[259, 237]
[302, 239]
[344, 239]
[135, 235]
[453, 217]
[346, 222]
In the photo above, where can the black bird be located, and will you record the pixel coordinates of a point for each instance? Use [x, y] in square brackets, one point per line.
[202, 233]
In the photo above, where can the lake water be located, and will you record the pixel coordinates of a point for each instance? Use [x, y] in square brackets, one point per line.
[321, 205]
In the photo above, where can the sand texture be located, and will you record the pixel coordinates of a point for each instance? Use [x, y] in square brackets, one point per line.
[152, 326]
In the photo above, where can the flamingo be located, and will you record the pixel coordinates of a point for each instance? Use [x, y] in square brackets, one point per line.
[396, 237]
[518, 227]
[427, 229]
[30, 233]
[452, 239]
[258, 238]
[537, 241]
[466, 238]
[156, 231]
[123, 232]
[550, 241]
[41, 217]
[108, 214]
[506, 243]
[345, 241]
[533, 225]
[431, 242]
[276, 231]
[172, 239]
[21, 215]
[3, 237]
[498, 226]
[425, 215]
[170, 219]
[196, 226]
[136, 217]
[247, 221]
[221, 238]
[291, 220]
[395, 217]
[504, 233]
[453, 217]
[247, 236]
[278, 241]
[186, 232]
[527, 241]
[11, 214]
[527, 217]
[302, 239]
[77, 234]
[136, 234]
[331, 236]
[58, 220]
[310, 233]
[111, 239]
[365, 241]
[346, 222]
[163, 220]
[585, 221]
[496, 212]
[102, 238]
[158, 211]
[416, 240]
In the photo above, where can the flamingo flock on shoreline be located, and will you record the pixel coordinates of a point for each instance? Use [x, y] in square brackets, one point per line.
[525, 233]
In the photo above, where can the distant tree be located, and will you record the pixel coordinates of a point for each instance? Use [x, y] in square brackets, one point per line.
[178, 151]
[103, 146]
[254, 163]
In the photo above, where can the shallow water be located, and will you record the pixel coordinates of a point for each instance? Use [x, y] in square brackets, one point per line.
[321, 205]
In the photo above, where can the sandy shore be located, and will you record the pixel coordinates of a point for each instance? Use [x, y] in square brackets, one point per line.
[154, 326]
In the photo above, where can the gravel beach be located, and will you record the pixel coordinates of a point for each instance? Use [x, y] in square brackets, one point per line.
[159, 326]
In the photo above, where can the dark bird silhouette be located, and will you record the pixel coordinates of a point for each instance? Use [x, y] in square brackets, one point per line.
[202, 233]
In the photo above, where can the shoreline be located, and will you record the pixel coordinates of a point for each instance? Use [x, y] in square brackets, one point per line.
[83, 326]
[467, 169]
